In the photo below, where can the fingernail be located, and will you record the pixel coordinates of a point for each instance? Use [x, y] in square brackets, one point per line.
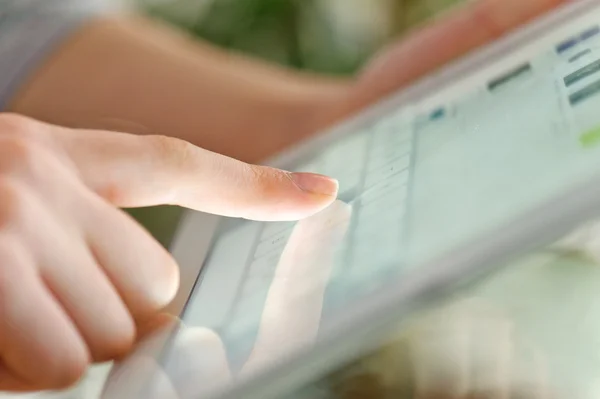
[316, 184]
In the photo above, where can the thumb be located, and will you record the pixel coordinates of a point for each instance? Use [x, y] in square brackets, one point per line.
[136, 171]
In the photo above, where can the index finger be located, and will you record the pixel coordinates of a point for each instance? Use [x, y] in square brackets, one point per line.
[137, 171]
[445, 39]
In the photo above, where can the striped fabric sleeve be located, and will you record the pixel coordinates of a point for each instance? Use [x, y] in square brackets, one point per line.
[30, 30]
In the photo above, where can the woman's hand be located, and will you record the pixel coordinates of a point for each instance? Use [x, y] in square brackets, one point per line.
[170, 84]
[77, 275]
[441, 41]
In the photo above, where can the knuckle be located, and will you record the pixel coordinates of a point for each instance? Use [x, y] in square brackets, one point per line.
[174, 154]
[164, 143]
[169, 283]
[256, 173]
[169, 148]
[18, 154]
[266, 180]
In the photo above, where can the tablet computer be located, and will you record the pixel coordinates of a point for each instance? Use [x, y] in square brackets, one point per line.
[441, 183]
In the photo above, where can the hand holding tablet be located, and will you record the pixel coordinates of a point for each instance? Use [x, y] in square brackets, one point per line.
[450, 179]
[92, 275]
[431, 47]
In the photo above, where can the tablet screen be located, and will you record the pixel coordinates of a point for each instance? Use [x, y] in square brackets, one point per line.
[415, 183]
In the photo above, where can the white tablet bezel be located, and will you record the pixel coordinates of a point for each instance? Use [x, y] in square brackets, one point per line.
[197, 230]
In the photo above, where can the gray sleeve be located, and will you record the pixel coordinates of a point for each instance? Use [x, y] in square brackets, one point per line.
[30, 30]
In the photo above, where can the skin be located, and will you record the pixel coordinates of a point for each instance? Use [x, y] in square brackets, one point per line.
[101, 79]
[78, 275]
[289, 322]
[88, 276]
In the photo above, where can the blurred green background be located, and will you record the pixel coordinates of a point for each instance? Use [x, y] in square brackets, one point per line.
[328, 36]
[334, 36]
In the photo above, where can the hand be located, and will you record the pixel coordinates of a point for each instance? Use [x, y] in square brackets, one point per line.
[436, 44]
[197, 363]
[77, 275]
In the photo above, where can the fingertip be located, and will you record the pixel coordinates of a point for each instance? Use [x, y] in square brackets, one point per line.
[322, 191]
[316, 184]
[301, 196]
[162, 284]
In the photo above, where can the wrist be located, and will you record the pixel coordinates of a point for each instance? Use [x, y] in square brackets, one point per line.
[127, 74]
[312, 109]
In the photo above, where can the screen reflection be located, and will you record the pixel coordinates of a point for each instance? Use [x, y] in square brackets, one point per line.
[531, 331]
